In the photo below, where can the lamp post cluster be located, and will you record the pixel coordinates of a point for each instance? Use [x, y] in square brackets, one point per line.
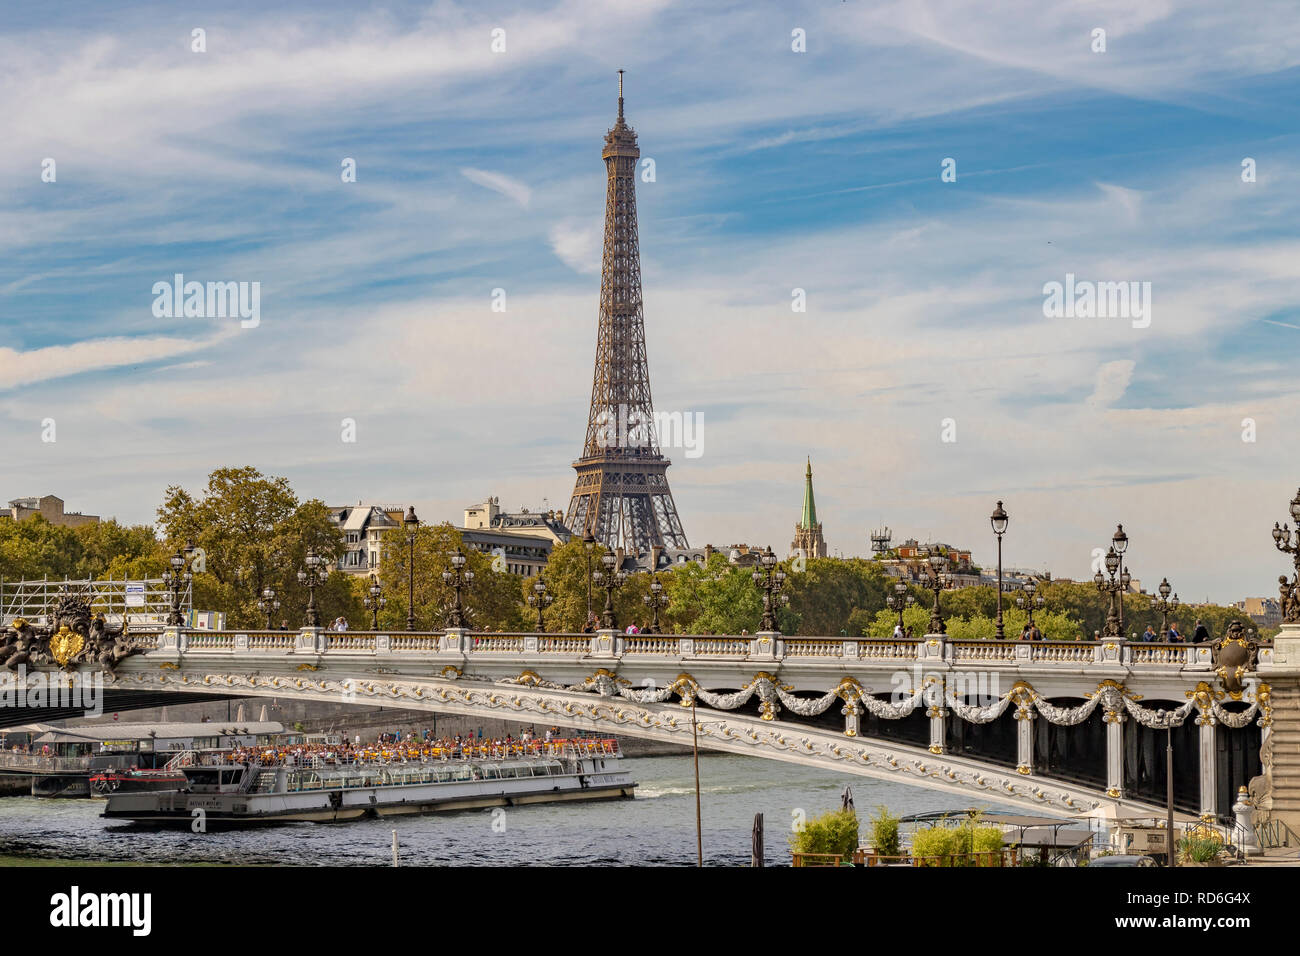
[934, 578]
[610, 578]
[1282, 540]
[314, 571]
[268, 604]
[899, 600]
[458, 577]
[770, 580]
[1030, 600]
[176, 577]
[1114, 582]
[374, 601]
[655, 600]
[540, 599]
[1164, 605]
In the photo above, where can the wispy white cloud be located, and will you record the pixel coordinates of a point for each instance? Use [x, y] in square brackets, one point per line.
[499, 183]
[20, 368]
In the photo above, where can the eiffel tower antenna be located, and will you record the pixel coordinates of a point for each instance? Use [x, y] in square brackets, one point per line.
[621, 494]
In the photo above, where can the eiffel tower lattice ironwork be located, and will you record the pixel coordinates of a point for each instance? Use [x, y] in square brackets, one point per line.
[621, 495]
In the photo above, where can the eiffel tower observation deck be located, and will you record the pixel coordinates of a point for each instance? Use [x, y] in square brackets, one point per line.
[621, 495]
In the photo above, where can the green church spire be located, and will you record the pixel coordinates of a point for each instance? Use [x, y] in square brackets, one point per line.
[809, 521]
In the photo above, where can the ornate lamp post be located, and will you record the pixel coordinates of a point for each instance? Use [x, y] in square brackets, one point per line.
[412, 524]
[934, 580]
[458, 577]
[1119, 541]
[175, 578]
[900, 599]
[314, 571]
[999, 521]
[373, 601]
[611, 579]
[588, 545]
[770, 579]
[268, 604]
[540, 599]
[1164, 605]
[655, 600]
[1030, 599]
[1113, 587]
[1282, 540]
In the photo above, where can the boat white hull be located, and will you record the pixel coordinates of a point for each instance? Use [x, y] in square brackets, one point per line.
[182, 808]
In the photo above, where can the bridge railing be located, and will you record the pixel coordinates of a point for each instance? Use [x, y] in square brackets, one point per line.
[757, 647]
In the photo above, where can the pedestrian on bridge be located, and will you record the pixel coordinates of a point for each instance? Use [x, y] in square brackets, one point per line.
[1201, 634]
[1148, 635]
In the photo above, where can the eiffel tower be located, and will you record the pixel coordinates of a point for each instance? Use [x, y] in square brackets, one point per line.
[621, 495]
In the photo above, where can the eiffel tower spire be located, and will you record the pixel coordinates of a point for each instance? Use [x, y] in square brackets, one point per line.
[621, 495]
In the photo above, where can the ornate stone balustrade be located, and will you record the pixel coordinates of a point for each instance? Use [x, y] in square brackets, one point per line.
[769, 649]
[806, 647]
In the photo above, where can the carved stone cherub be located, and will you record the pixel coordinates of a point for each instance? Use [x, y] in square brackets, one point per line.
[1287, 599]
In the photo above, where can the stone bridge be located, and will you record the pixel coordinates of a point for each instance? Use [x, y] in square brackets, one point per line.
[1064, 727]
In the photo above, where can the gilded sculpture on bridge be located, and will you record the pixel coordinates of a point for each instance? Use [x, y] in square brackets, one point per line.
[1233, 656]
[73, 635]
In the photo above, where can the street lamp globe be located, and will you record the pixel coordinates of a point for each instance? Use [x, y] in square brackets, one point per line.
[999, 520]
[1120, 539]
[1164, 588]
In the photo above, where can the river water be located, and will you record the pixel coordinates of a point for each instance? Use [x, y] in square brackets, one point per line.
[657, 828]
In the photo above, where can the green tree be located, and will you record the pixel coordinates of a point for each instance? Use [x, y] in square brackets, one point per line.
[567, 583]
[255, 534]
[825, 595]
[34, 549]
[716, 598]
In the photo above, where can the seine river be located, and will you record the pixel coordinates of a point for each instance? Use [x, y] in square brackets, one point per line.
[657, 828]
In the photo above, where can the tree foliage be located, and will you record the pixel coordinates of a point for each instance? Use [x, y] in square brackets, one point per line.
[33, 548]
[254, 533]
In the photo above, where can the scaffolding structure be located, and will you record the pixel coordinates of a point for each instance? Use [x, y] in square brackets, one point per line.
[141, 603]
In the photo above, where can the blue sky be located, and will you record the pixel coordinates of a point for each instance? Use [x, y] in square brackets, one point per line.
[775, 170]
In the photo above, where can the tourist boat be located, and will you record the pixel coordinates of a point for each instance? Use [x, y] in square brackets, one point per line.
[318, 790]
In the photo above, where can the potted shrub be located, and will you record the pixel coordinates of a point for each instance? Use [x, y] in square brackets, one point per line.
[1199, 851]
[884, 832]
[833, 834]
[935, 846]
